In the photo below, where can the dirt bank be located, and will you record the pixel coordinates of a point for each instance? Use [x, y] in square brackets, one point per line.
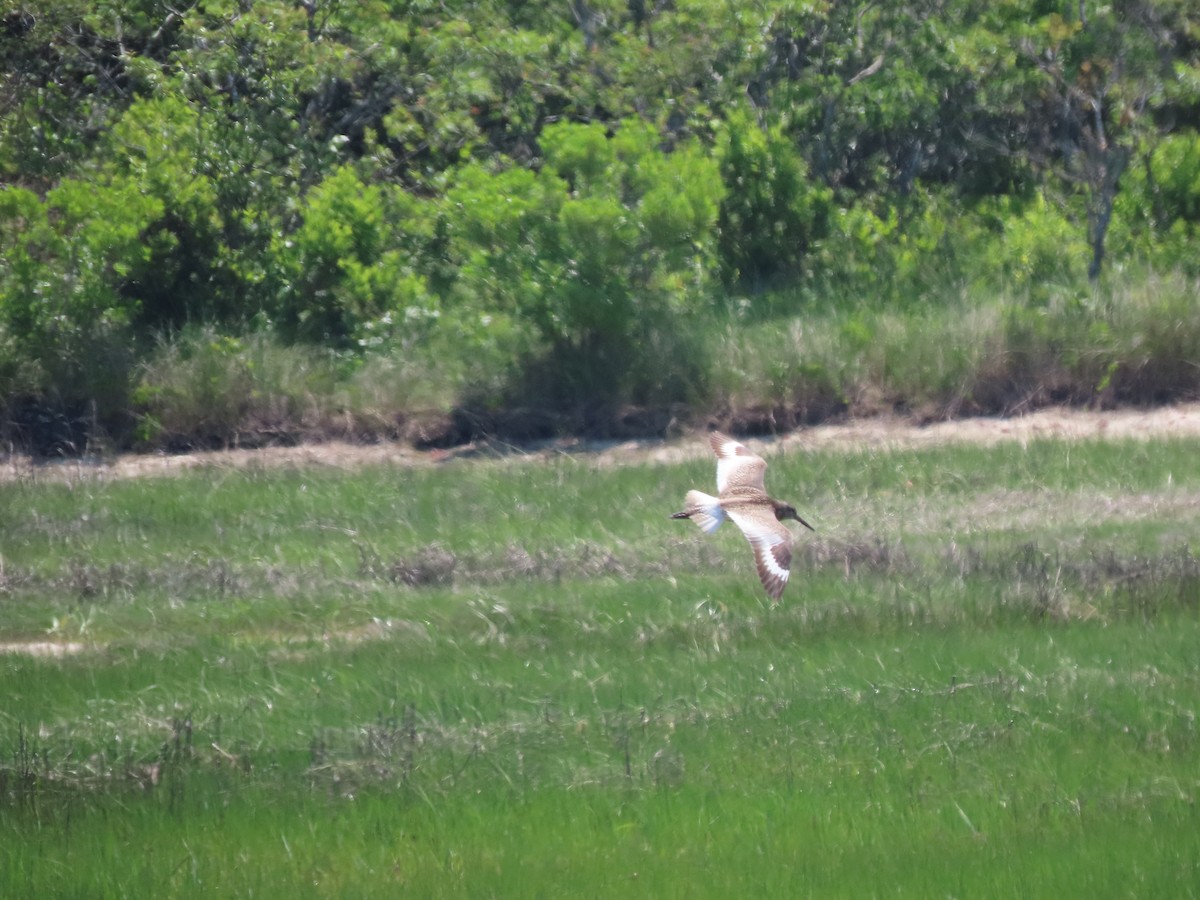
[1062, 424]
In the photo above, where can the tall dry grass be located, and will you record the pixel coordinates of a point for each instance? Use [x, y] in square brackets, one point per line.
[1135, 341]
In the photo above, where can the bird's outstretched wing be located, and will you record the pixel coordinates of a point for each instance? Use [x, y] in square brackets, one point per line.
[737, 465]
[772, 544]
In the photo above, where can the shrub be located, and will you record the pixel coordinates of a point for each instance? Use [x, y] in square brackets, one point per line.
[159, 148]
[772, 212]
[1174, 166]
[65, 264]
[603, 251]
[1037, 246]
[351, 274]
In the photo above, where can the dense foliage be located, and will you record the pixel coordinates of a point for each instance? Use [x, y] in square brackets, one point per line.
[541, 204]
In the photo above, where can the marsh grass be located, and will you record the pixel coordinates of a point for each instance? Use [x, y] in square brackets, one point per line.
[958, 351]
[1130, 342]
[202, 388]
[516, 677]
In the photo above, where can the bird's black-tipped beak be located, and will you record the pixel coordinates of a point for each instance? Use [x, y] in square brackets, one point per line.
[796, 515]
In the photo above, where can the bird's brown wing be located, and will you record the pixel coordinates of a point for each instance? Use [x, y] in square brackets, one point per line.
[772, 545]
[737, 465]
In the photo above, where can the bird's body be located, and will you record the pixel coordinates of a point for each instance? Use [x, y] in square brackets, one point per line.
[742, 498]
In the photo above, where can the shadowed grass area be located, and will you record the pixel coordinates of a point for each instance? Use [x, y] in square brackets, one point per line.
[518, 677]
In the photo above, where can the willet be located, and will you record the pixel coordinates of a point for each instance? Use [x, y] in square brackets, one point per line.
[742, 497]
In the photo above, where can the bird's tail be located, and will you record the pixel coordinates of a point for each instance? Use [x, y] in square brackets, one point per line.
[703, 509]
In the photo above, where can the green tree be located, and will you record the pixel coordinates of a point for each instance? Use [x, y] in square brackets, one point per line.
[1105, 76]
[351, 273]
[772, 212]
[604, 250]
[70, 67]
[64, 263]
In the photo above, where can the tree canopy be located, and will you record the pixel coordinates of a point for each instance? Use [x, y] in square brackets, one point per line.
[577, 180]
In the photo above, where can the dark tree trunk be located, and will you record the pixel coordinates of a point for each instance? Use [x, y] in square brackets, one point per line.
[1113, 162]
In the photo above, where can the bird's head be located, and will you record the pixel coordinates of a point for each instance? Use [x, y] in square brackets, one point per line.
[787, 511]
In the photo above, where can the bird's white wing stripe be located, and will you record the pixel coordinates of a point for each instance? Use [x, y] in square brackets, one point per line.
[772, 550]
[743, 471]
[767, 557]
[725, 466]
[731, 456]
[737, 465]
[728, 448]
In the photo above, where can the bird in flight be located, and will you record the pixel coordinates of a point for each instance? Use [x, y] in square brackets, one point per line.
[742, 498]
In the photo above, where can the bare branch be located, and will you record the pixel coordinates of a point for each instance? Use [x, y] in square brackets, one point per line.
[870, 70]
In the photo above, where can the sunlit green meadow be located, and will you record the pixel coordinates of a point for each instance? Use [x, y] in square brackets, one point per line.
[516, 677]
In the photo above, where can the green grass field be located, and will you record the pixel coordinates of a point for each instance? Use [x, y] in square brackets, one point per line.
[519, 678]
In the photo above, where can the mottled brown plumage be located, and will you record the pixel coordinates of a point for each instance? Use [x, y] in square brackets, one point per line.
[742, 497]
